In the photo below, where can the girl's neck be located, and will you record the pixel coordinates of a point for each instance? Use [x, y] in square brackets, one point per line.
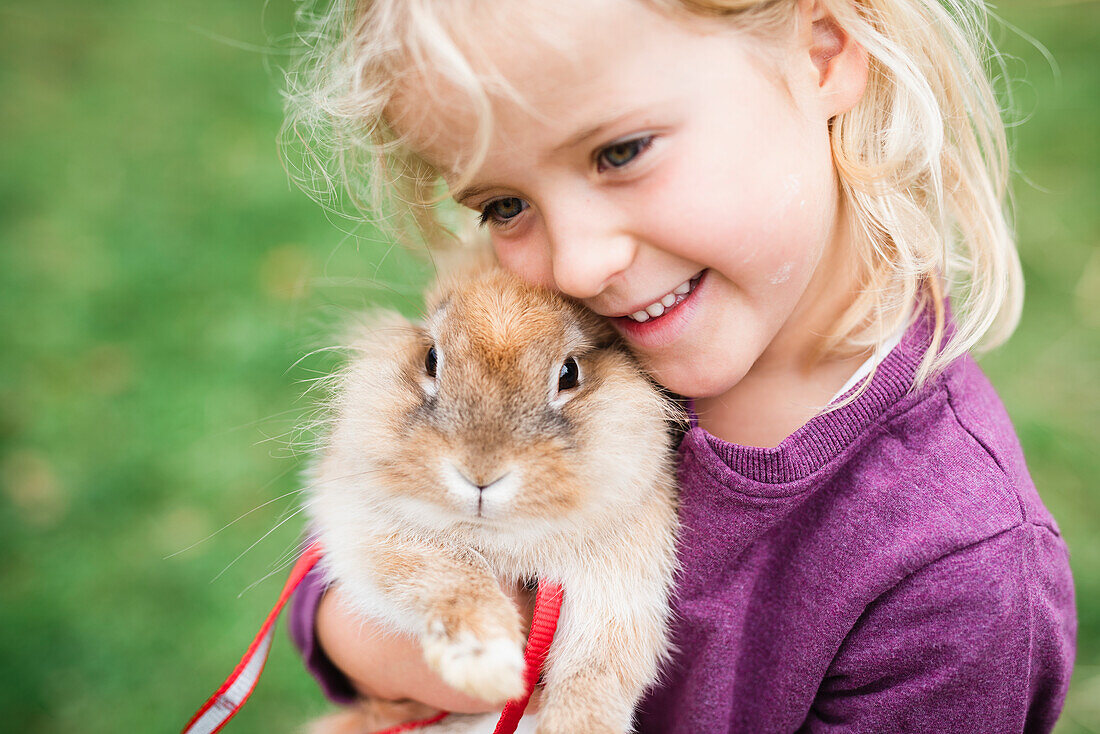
[767, 406]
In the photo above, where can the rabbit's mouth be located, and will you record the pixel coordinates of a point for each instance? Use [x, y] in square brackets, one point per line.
[667, 302]
[480, 497]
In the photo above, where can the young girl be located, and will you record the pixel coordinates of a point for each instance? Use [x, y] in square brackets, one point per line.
[772, 201]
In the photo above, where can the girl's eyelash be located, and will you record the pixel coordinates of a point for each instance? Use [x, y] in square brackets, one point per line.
[629, 149]
[487, 218]
[483, 219]
[632, 147]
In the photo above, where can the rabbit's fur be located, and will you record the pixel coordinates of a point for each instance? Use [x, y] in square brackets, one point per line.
[578, 485]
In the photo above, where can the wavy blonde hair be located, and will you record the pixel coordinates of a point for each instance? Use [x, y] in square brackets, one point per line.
[922, 159]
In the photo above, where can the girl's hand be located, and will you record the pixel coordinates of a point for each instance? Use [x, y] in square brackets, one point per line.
[384, 665]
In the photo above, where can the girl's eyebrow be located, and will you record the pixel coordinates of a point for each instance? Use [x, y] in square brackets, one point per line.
[571, 142]
[469, 193]
[590, 132]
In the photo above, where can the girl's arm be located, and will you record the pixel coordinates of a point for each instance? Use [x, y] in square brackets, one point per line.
[302, 620]
[351, 656]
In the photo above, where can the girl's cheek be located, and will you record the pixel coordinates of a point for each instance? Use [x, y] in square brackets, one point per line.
[525, 260]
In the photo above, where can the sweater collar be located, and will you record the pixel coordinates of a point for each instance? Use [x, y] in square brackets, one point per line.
[825, 436]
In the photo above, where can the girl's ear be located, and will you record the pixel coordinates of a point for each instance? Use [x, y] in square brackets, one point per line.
[840, 62]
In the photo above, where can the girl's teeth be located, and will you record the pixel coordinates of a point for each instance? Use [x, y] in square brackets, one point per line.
[658, 308]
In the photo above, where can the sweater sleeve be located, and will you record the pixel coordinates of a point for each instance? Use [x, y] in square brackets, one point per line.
[302, 617]
[982, 639]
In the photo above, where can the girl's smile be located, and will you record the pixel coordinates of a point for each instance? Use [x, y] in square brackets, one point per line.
[661, 322]
[701, 216]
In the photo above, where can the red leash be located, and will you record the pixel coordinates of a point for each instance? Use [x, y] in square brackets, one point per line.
[231, 696]
[228, 700]
[543, 625]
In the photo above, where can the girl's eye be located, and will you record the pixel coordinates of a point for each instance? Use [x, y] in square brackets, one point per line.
[569, 374]
[500, 211]
[620, 154]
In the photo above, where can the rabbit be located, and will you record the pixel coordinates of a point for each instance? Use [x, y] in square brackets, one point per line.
[508, 437]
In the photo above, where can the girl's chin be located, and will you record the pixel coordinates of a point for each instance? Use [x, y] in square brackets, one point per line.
[691, 378]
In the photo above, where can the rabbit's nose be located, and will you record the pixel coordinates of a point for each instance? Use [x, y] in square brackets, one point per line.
[484, 493]
[498, 480]
[478, 479]
[484, 485]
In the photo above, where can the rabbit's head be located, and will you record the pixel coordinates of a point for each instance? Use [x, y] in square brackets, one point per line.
[508, 406]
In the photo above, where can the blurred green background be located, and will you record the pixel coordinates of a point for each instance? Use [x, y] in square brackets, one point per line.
[160, 281]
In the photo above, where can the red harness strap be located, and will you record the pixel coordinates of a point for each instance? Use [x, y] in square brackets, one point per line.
[231, 696]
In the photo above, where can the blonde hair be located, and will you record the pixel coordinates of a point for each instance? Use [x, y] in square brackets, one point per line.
[922, 159]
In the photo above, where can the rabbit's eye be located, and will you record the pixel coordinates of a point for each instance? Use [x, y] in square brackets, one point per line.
[569, 374]
[430, 362]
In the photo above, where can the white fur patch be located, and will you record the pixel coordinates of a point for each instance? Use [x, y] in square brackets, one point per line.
[491, 669]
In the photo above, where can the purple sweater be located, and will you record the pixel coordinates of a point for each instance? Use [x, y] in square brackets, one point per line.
[888, 568]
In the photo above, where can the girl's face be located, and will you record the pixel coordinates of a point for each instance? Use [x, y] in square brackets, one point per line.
[676, 177]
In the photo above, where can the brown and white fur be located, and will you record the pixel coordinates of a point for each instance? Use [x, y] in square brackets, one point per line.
[434, 490]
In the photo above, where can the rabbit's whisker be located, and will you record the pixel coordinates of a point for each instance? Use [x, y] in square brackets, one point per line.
[257, 542]
[238, 519]
[285, 561]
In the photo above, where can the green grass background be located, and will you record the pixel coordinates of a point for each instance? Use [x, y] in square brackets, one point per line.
[159, 279]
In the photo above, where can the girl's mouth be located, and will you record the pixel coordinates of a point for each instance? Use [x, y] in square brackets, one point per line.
[667, 302]
[662, 322]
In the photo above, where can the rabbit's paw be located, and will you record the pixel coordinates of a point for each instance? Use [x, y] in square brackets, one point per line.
[488, 666]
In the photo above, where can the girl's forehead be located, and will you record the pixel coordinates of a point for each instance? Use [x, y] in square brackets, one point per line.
[551, 72]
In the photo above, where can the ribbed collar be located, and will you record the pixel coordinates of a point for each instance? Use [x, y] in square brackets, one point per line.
[825, 436]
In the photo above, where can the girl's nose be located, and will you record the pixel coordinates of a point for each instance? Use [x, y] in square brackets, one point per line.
[586, 255]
